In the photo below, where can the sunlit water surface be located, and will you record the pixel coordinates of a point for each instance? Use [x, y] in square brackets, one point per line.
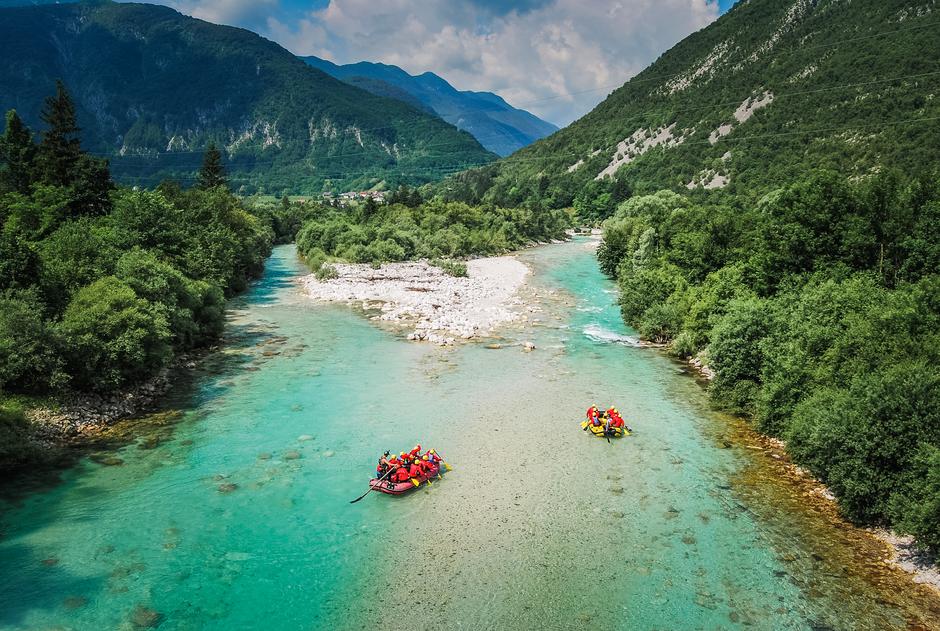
[237, 516]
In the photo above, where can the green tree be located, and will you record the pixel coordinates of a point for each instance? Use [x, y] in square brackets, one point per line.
[60, 148]
[112, 337]
[29, 360]
[212, 173]
[736, 354]
[17, 155]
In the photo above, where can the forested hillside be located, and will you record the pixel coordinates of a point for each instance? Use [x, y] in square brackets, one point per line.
[749, 102]
[101, 286]
[153, 88]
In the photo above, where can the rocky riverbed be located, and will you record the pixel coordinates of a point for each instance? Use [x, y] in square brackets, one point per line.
[437, 307]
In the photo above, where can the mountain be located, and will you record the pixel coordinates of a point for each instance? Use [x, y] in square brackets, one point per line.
[153, 88]
[769, 90]
[498, 126]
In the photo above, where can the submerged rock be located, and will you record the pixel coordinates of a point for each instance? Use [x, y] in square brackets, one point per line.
[304, 437]
[227, 487]
[107, 460]
[74, 602]
[292, 455]
[264, 456]
[528, 346]
[145, 617]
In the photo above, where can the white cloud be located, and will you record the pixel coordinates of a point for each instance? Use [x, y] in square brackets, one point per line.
[556, 58]
[234, 12]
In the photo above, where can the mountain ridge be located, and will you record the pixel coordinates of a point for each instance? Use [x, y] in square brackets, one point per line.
[173, 83]
[498, 126]
[769, 87]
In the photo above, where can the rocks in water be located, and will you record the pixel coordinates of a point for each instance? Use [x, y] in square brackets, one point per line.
[616, 490]
[292, 455]
[296, 407]
[123, 571]
[74, 602]
[304, 437]
[270, 353]
[617, 514]
[106, 460]
[227, 487]
[495, 347]
[528, 346]
[264, 455]
[328, 454]
[689, 540]
[50, 562]
[151, 442]
[145, 618]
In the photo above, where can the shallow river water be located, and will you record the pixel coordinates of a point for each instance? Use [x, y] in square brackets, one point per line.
[236, 514]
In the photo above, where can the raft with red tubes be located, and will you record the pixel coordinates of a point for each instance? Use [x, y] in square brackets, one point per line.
[400, 488]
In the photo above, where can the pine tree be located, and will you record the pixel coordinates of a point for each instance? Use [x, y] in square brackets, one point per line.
[212, 173]
[17, 154]
[60, 149]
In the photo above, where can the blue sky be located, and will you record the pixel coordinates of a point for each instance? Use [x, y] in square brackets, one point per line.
[556, 58]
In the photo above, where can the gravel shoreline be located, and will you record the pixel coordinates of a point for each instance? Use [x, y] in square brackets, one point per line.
[439, 308]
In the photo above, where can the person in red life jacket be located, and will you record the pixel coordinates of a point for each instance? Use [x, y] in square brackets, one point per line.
[405, 460]
[593, 416]
[415, 453]
[414, 470]
[424, 465]
[615, 419]
[401, 474]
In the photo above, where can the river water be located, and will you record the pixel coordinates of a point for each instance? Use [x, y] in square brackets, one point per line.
[235, 514]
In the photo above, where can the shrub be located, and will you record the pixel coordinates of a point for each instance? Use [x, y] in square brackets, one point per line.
[451, 267]
[112, 336]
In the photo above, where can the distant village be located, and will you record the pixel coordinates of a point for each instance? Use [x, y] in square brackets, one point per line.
[351, 196]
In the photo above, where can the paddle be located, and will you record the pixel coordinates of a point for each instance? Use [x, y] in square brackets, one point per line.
[447, 466]
[372, 486]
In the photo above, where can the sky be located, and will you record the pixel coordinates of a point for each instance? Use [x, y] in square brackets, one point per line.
[555, 58]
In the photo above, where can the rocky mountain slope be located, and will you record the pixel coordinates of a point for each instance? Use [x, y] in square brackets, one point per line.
[770, 89]
[498, 126]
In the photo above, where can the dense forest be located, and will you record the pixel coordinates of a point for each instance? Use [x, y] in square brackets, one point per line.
[407, 228]
[818, 308]
[101, 286]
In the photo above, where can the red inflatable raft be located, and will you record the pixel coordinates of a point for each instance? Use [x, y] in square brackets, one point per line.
[398, 488]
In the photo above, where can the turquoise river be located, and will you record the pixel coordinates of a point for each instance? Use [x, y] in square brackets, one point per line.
[231, 510]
